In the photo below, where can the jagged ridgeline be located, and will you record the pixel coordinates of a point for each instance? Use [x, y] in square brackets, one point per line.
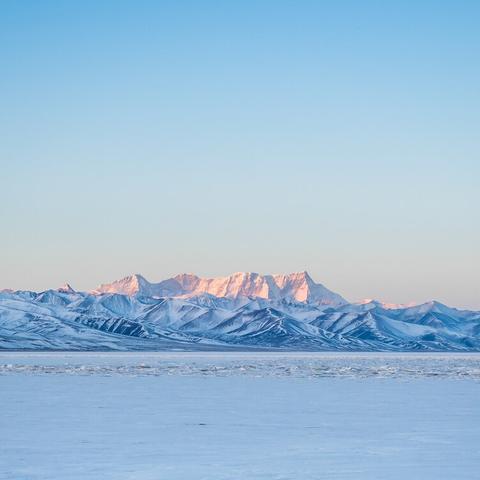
[244, 310]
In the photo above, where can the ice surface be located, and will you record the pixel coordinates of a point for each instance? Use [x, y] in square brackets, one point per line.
[213, 416]
[259, 364]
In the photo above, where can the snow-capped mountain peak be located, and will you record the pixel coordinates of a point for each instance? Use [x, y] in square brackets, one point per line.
[301, 287]
[130, 285]
[297, 286]
[434, 306]
[240, 284]
[372, 303]
[66, 288]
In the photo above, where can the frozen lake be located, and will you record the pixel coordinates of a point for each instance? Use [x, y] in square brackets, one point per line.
[239, 415]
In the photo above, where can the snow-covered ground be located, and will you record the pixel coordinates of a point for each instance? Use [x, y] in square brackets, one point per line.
[233, 416]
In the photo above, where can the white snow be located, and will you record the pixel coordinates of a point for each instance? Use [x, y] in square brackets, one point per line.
[69, 320]
[214, 416]
[298, 286]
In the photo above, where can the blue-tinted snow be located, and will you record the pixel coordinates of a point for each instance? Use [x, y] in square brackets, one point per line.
[191, 416]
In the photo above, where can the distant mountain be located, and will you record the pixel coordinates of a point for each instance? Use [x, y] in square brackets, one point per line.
[244, 310]
[294, 286]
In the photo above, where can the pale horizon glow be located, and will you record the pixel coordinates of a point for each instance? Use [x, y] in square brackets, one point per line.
[273, 137]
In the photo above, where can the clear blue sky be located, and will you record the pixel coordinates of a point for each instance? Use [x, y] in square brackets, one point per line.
[339, 137]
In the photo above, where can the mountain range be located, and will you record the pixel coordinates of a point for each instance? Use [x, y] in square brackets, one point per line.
[240, 311]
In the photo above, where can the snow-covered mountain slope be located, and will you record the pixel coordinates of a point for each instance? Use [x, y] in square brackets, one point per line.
[241, 311]
[295, 286]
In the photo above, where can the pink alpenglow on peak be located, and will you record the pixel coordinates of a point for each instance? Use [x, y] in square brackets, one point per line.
[386, 306]
[294, 286]
[130, 285]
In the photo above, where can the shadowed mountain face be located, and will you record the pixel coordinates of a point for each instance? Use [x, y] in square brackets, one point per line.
[244, 310]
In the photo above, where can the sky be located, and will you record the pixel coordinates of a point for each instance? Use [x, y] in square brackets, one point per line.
[159, 137]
